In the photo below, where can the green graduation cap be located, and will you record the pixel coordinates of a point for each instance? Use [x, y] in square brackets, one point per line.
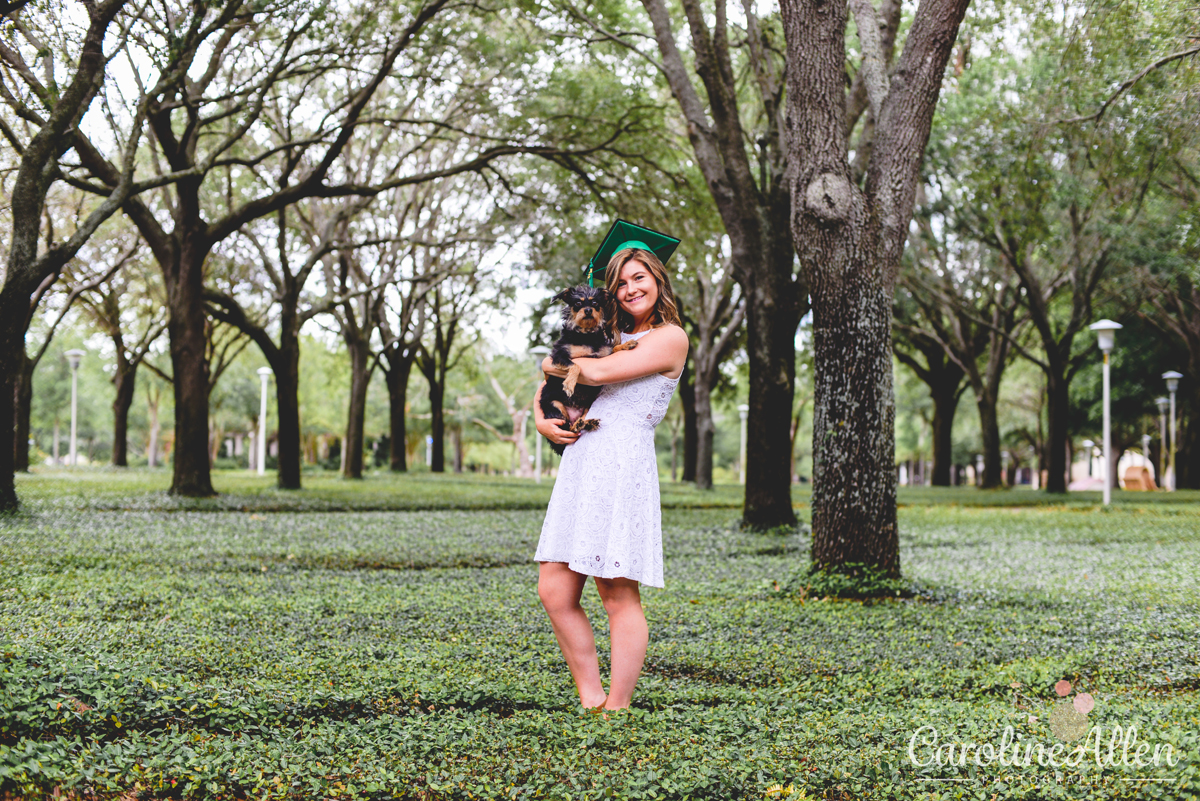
[624, 235]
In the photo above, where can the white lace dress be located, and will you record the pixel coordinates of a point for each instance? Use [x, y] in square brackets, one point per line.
[605, 517]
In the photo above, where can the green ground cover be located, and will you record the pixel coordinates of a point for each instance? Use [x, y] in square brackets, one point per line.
[264, 645]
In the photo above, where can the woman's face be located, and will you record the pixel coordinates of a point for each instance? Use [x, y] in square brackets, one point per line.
[637, 291]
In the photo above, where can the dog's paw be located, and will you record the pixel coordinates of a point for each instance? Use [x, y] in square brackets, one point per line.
[630, 345]
[571, 380]
[585, 424]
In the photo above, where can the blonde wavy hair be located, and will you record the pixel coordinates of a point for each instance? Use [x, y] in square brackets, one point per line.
[666, 309]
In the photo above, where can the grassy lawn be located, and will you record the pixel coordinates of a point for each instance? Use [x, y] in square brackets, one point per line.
[383, 639]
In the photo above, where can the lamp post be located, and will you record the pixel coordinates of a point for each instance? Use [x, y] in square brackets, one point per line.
[744, 413]
[1105, 334]
[1145, 449]
[1172, 379]
[264, 373]
[538, 352]
[73, 357]
[1088, 446]
[1162, 403]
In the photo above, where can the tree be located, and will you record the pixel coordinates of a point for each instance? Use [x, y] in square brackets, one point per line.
[924, 355]
[736, 139]
[849, 223]
[360, 281]
[952, 296]
[298, 250]
[714, 320]
[518, 413]
[444, 317]
[1165, 287]
[228, 64]
[1055, 192]
[47, 114]
[124, 303]
[23, 392]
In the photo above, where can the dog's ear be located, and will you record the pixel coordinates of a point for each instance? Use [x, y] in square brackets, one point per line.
[602, 297]
[561, 297]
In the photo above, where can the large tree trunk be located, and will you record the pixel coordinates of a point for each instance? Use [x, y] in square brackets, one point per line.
[772, 318]
[850, 238]
[989, 428]
[23, 399]
[360, 379]
[192, 477]
[397, 375]
[945, 404]
[152, 419]
[456, 438]
[437, 422]
[687, 397]
[754, 203]
[287, 405]
[704, 433]
[126, 382]
[14, 306]
[1057, 414]
[854, 476]
[1187, 454]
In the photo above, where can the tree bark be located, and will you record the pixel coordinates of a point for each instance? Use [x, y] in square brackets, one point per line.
[687, 397]
[1187, 453]
[989, 429]
[850, 239]
[287, 405]
[945, 404]
[152, 418]
[192, 475]
[360, 380]
[12, 355]
[397, 375]
[125, 380]
[437, 424]
[704, 433]
[23, 399]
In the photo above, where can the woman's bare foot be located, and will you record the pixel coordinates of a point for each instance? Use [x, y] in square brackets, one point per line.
[593, 703]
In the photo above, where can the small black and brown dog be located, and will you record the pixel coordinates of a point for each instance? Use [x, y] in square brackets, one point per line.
[586, 312]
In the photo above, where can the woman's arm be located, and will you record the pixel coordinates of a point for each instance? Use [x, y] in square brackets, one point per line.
[550, 428]
[663, 350]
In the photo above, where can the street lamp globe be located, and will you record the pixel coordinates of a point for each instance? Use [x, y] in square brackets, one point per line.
[1161, 403]
[1105, 330]
[73, 357]
[1172, 379]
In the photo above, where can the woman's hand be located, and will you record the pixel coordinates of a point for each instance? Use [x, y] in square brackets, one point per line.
[551, 428]
[550, 368]
[556, 431]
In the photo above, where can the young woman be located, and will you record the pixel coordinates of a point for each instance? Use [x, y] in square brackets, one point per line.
[604, 518]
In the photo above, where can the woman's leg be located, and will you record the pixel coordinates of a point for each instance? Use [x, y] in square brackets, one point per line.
[629, 635]
[559, 587]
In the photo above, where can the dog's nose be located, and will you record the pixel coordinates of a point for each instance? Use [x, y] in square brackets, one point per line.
[587, 312]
